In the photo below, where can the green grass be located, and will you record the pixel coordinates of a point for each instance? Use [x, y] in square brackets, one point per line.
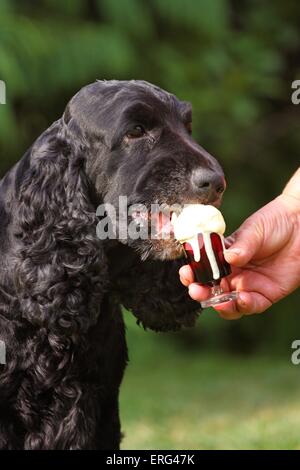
[177, 399]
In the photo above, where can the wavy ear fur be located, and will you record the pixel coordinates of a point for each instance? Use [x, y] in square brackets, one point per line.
[60, 279]
[61, 268]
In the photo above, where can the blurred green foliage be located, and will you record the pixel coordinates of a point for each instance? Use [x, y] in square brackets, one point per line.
[234, 60]
[183, 399]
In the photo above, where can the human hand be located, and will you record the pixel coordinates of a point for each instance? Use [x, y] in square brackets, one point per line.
[264, 255]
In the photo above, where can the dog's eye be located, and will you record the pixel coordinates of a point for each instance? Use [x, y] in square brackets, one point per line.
[189, 127]
[136, 132]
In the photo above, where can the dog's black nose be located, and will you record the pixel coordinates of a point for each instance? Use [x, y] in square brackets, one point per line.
[208, 184]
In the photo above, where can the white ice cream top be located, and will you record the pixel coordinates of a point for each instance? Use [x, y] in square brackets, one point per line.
[195, 219]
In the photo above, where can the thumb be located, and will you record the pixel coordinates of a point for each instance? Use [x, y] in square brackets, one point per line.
[244, 243]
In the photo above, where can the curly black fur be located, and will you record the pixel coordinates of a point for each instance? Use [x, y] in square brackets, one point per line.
[61, 287]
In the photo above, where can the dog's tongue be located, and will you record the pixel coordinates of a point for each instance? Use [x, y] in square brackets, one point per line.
[162, 224]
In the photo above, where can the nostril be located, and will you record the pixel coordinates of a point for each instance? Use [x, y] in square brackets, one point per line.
[206, 184]
[220, 189]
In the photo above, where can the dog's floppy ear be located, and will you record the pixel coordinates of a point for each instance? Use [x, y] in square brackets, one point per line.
[61, 266]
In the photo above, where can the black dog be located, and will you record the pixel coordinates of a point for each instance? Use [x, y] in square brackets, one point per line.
[61, 287]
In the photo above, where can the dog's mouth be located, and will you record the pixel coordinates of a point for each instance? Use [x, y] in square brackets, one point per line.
[160, 222]
[157, 226]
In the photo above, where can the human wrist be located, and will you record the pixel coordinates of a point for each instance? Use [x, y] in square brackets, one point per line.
[292, 189]
[290, 198]
[289, 208]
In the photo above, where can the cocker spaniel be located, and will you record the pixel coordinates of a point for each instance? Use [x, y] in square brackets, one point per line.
[61, 286]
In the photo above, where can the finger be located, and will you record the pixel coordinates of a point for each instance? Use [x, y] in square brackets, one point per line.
[254, 281]
[248, 303]
[245, 243]
[252, 302]
[198, 292]
[228, 311]
[228, 241]
[186, 275]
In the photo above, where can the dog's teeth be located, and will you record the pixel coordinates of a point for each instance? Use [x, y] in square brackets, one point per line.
[174, 217]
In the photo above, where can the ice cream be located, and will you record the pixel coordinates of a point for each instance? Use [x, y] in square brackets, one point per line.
[201, 219]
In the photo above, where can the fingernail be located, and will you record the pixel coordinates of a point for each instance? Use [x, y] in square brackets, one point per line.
[233, 251]
[190, 287]
[189, 291]
[242, 299]
[231, 255]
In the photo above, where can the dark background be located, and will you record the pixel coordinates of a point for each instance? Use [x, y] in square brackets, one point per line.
[234, 60]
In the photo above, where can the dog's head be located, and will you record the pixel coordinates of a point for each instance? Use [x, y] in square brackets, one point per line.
[115, 139]
[141, 148]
